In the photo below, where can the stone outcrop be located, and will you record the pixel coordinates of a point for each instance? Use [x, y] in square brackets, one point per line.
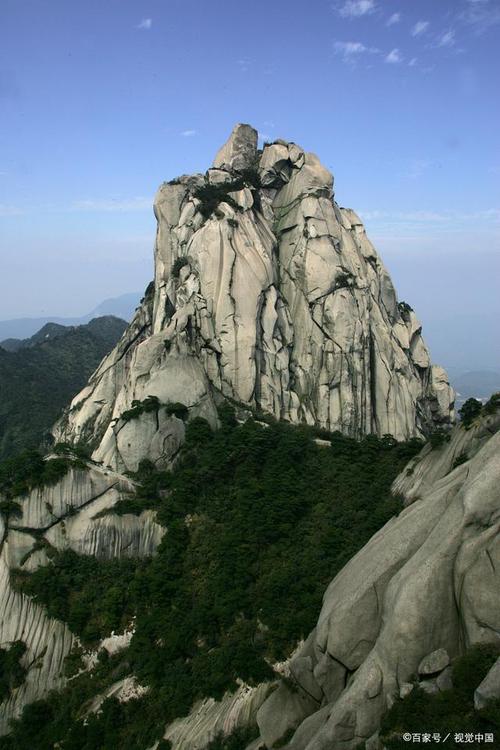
[209, 718]
[48, 641]
[422, 590]
[489, 689]
[62, 516]
[266, 291]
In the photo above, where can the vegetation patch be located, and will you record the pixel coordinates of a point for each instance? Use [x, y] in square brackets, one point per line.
[404, 308]
[461, 459]
[449, 711]
[9, 509]
[177, 265]
[38, 380]
[237, 740]
[210, 195]
[259, 519]
[12, 674]
[472, 409]
[344, 280]
[29, 470]
[92, 596]
[439, 437]
[153, 404]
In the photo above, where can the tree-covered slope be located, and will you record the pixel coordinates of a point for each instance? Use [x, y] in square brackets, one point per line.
[259, 518]
[39, 379]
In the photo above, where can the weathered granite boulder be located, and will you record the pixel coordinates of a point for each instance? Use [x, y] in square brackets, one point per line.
[424, 588]
[489, 689]
[434, 662]
[240, 150]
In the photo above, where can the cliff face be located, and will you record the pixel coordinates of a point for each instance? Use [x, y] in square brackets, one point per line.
[60, 517]
[425, 584]
[269, 293]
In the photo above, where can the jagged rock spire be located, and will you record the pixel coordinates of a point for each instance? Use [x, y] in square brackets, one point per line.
[268, 292]
[240, 150]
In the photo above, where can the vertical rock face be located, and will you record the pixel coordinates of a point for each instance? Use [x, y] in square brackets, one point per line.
[423, 589]
[267, 292]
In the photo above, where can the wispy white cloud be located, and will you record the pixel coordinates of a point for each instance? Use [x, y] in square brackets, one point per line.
[189, 133]
[106, 205]
[145, 24]
[394, 56]
[351, 50]
[243, 64]
[446, 39]
[395, 18]
[7, 210]
[355, 8]
[481, 15]
[412, 62]
[420, 28]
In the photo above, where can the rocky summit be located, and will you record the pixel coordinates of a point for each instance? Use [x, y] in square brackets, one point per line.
[268, 293]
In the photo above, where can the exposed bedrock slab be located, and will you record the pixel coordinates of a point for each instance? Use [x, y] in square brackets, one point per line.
[424, 588]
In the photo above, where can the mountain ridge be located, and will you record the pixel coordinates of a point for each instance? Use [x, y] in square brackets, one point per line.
[40, 374]
[122, 307]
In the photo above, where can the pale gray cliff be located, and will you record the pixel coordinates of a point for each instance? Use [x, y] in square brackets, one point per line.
[422, 590]
[61, 516]
[267, 292]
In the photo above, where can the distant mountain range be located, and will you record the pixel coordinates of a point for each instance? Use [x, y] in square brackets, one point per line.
[478, 384]
[22, 328]
[39, 375]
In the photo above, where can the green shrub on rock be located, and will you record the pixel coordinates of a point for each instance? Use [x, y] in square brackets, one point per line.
[448, 712]
[438, 438]
[12, 674]
[153, 404]
[28, 470]
[471, 409]
[177, 265]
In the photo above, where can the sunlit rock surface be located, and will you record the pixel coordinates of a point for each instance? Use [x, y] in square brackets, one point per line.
[282, 304]
[425, 587]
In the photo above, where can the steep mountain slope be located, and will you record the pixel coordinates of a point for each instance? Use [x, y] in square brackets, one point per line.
[38, 379]
[240, 456]
[268, 293]
[48, 331]
[428, 580]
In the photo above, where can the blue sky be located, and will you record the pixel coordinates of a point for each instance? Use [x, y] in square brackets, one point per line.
[102, 101]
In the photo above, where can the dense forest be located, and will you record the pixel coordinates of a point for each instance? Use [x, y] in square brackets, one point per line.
[42, 375]
[259, 517]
